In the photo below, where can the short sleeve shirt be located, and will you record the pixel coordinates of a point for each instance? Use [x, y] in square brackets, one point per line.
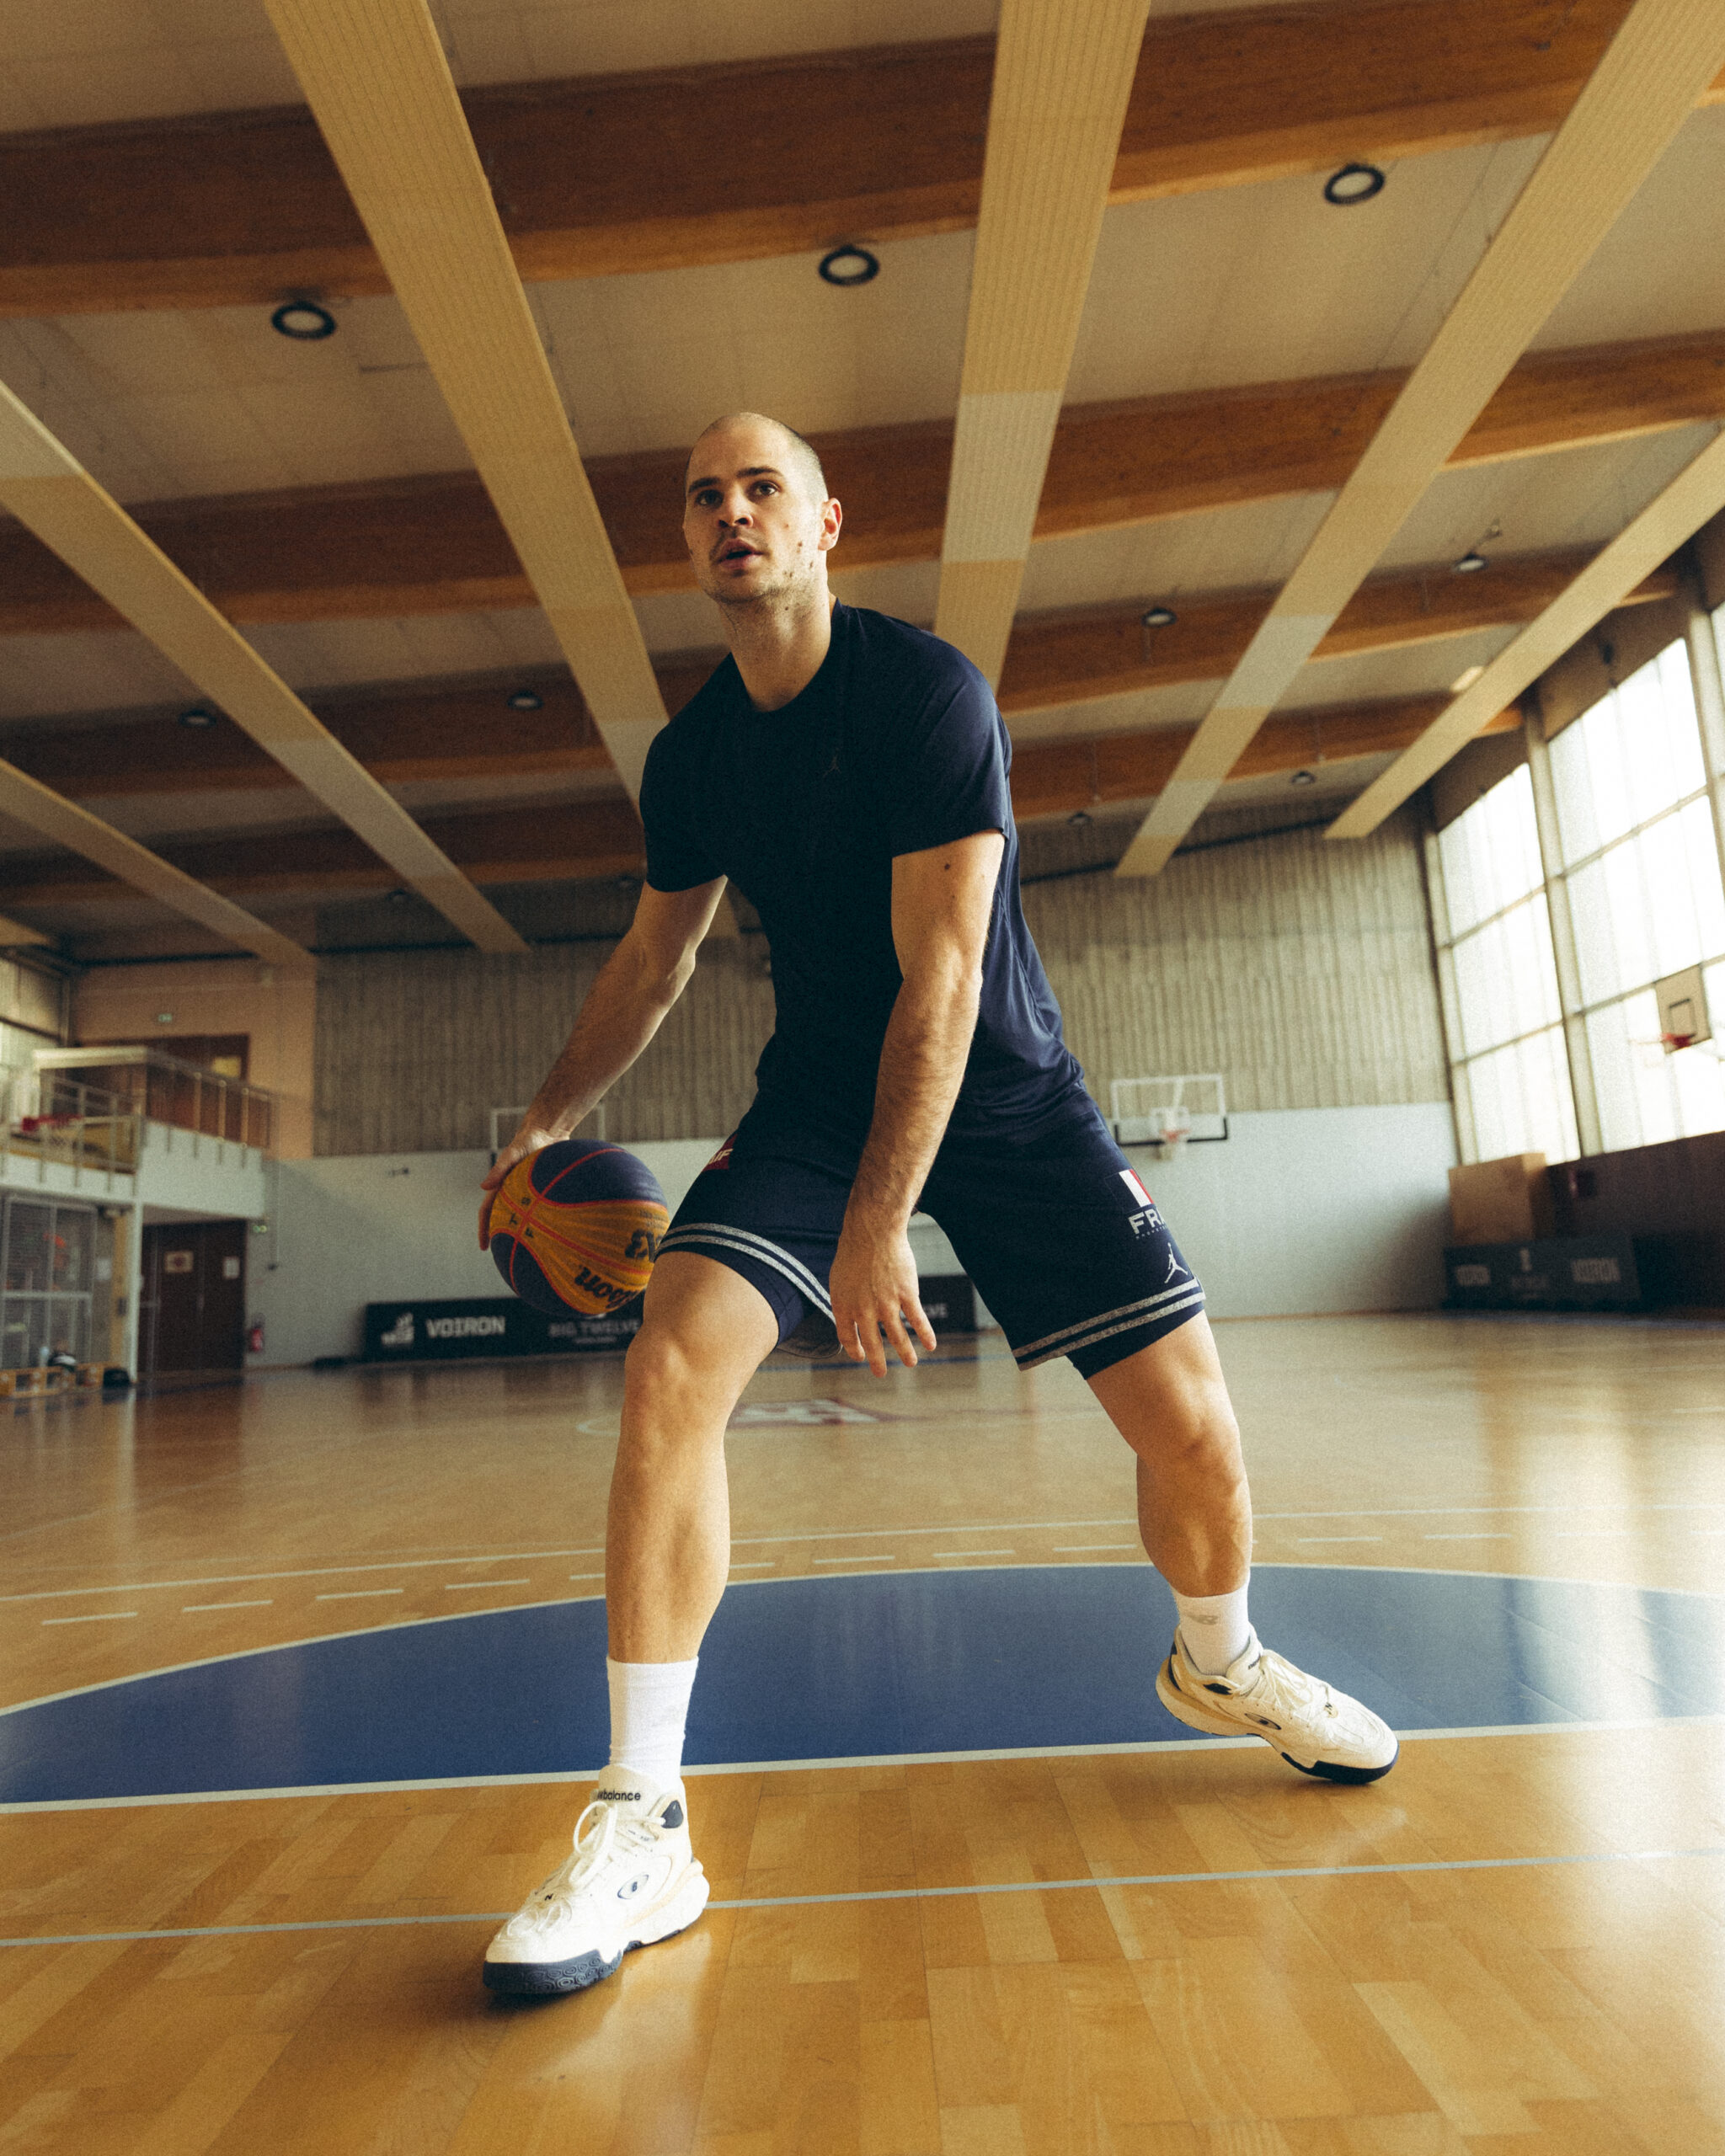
[894, 747]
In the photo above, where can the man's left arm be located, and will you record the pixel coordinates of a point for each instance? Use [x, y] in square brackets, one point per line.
[943, 901]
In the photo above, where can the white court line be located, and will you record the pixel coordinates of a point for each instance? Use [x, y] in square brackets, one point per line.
[586, 1773]
[918, 1893]
[586, 1576]
[187, 1608]
[361, 1593]
[842, 1535]
[755, 1565]
[100, 1617]
[976, 1553]
[865, 1557]
[459, 1586]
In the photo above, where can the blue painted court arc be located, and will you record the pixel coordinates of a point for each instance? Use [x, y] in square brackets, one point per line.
[862, 1666]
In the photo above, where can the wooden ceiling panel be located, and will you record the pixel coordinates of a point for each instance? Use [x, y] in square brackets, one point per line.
[632, 172]
[48, 491]
[1644, 88]
[1693, 498]
[433, 544]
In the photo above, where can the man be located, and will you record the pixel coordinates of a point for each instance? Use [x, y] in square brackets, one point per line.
[848, 773]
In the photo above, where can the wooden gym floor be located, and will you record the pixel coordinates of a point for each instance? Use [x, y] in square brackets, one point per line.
[1515, 1942]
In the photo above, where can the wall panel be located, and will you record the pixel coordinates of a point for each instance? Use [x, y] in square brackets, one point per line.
[1300, 970]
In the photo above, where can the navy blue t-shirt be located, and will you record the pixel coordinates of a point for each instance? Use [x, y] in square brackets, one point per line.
[895, 746]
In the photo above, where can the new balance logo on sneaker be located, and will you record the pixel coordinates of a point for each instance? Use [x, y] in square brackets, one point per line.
[1315, 1728]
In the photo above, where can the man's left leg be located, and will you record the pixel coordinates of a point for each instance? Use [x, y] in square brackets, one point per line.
[1170, 1403]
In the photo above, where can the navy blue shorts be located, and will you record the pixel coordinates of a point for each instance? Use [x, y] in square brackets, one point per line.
[1063, 1241]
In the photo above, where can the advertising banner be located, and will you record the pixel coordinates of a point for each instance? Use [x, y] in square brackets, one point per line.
[489, 1325]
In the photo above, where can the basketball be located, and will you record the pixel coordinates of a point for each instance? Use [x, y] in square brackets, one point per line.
[576, 1226]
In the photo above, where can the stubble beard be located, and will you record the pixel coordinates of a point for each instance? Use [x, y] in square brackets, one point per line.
[794, 589]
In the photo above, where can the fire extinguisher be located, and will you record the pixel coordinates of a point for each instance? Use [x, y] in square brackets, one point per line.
[254, 1337]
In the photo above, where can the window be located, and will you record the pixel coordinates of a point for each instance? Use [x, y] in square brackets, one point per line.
[1641, 863]
[1502, 1007]
[1636, 854]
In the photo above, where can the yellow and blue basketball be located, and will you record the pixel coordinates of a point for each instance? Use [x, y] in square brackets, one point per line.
[576, 1226]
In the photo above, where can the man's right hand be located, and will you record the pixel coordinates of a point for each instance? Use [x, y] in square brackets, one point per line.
[524, 1142]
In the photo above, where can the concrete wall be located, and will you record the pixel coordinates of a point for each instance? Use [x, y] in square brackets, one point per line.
[1302, 1210]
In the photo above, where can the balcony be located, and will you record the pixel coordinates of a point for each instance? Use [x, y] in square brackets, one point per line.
[135, 1125]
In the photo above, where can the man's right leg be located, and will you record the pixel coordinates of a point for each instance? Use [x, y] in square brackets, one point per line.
[704, 1332]
[631, 1877]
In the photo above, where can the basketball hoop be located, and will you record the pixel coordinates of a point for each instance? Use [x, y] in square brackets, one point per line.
[1176, 1129]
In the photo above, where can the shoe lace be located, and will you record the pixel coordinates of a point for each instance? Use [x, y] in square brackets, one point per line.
[602, 1832]
[1299, 1687]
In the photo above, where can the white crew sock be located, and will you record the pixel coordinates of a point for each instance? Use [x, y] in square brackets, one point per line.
[649, 1705]
[1214, 1627]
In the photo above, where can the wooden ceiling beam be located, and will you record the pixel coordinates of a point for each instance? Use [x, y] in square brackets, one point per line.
[468, 730]
[1057, 778]
[623, 173]
[434, 545]
[558, 839]
[1104, 651]
[581, 841]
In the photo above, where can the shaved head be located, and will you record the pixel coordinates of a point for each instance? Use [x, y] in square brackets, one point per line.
[800, 456]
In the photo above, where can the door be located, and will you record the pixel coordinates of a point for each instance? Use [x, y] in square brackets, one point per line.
[193, 1314]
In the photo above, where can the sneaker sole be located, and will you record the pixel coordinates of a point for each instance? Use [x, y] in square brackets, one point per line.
[555, 1979]
[1184, 1708]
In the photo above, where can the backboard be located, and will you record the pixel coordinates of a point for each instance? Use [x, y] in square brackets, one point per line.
[1189, 1107]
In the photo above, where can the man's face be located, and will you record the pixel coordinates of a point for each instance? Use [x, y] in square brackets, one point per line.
[755, 528]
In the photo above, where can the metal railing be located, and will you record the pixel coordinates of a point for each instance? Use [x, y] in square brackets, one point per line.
[95, 1109]
[49, 1118]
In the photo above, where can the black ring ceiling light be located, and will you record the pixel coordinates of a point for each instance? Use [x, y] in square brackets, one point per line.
[304, 320]
[1354, 183]
[850, 264]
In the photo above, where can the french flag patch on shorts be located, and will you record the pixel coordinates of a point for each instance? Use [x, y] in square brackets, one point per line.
[1141, 1195]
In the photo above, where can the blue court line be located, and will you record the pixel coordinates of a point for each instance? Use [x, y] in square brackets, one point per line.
[908, 1894]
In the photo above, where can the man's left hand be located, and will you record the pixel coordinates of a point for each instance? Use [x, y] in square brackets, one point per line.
[874, 1292]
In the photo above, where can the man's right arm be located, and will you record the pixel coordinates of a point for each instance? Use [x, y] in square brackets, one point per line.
[637, 985]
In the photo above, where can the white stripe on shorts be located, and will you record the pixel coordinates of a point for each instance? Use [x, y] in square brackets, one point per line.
[693, 1233]
[1026, 1359]
[1134, 1313]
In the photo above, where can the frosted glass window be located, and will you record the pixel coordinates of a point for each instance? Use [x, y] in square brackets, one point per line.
[1636, 753]
[1506, 979]
[1651, 903]
[1490, 855]
[1521, 1099]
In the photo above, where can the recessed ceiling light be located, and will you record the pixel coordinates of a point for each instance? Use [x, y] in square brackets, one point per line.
[1304, 778]
[303, 320]
[1354, 183]
[398, 898]
[1466, 678]
[1471, 562]
[1080, 819]
[1159, 617]
[197, 717]
[850, 264]
[526, 700]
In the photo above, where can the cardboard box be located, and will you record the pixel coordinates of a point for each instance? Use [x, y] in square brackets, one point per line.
[1507, 1201]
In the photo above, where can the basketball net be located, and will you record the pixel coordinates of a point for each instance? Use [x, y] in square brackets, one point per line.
[1176, 1129]
[1655, 1048]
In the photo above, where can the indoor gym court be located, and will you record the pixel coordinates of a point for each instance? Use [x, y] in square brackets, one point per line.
[1308, 418]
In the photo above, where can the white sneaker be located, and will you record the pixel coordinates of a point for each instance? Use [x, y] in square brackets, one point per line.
[630, 1880]
[1315, 1727]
